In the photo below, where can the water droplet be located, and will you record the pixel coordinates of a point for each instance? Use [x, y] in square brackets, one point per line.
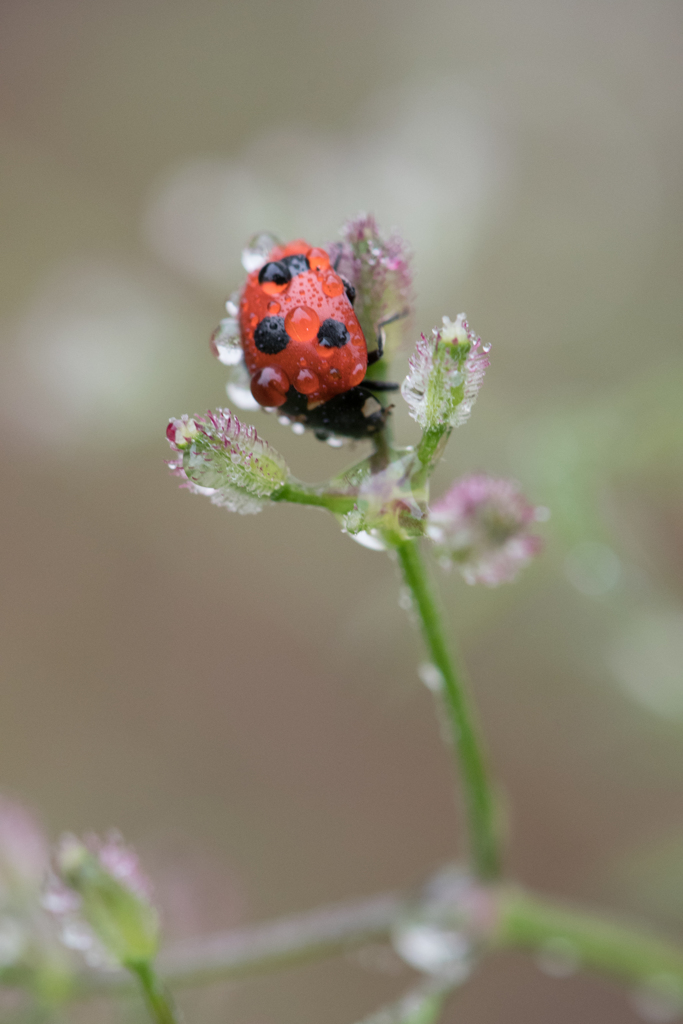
[306, 382]
[405, 599]
[257, 251]
[486, 347]
[302, 323]
[232, 306]
[225, 342]
[372, 541]
[558, 957]
[332, 284]
[318, 259]
[336, 442]
[432, 937]
[298, 428]
[270, 386]
[284, 420]
[241, 396]
[660, 1000]
[434, 950]
[430, 676]
[273, 308]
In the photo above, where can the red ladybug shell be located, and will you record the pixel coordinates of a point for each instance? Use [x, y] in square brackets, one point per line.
[308, 362]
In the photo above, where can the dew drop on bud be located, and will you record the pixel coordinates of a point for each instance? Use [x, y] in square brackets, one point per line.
[257, 251]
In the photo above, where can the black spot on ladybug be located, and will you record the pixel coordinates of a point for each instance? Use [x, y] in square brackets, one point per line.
[270, 336]
[333, 334]
[350, 291]
[275, 273]
[297, 264]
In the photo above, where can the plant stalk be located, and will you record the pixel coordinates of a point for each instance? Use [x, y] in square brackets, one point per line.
[476, 782]
[158, 1000]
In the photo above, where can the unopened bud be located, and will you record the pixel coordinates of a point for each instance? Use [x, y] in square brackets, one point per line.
[446, 373]
[104, 900]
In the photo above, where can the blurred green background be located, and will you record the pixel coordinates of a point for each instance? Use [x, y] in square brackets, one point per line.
[239, 694]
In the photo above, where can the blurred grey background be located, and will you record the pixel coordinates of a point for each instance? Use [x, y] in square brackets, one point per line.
[239, 694]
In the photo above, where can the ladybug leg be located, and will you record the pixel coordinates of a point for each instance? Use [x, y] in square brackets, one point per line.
[379, 385]
[376, 355]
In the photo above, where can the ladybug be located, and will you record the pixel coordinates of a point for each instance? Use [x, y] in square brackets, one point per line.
[304, 348]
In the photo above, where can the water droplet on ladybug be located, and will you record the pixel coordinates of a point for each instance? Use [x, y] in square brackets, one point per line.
[270, 386]
[273, 308]
[306, 382]
[253, 320]
[258, 250]
[302, 323]
[332, 284]
[318, 259]
[357, 374]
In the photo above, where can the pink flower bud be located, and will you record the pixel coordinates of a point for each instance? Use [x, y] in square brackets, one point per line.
[481, 526]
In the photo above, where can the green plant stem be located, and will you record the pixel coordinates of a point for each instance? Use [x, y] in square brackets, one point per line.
[502, 916]
[301, 494]
[158, 1000]
[476, 783]
[598, 944]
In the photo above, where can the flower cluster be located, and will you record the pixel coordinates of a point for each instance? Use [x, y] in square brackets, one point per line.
[378, 266]
[446, 372]
[102, 901]
[221, 457]
[481, 526]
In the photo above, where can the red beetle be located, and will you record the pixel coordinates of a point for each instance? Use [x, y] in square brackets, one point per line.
[304, 347]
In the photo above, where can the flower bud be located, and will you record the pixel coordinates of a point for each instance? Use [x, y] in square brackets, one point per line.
[379, 269]
[389, 504]
[446, 372]
[226, 460]
[481, 526]
[103, 900]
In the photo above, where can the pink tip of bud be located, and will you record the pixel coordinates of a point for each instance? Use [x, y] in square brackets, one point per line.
[481, 526]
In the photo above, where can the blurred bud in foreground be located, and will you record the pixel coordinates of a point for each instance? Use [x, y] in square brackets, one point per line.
[226, 460]
[481, 526]
[24, 858]
[446, 372]
[378, 267]
[24, 853]
[102, 901]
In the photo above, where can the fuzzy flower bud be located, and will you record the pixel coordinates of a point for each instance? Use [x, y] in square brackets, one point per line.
[481, 526]
[102, 900]
[379, 269]
[446, 372]
[226, 460]
[388, 506]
